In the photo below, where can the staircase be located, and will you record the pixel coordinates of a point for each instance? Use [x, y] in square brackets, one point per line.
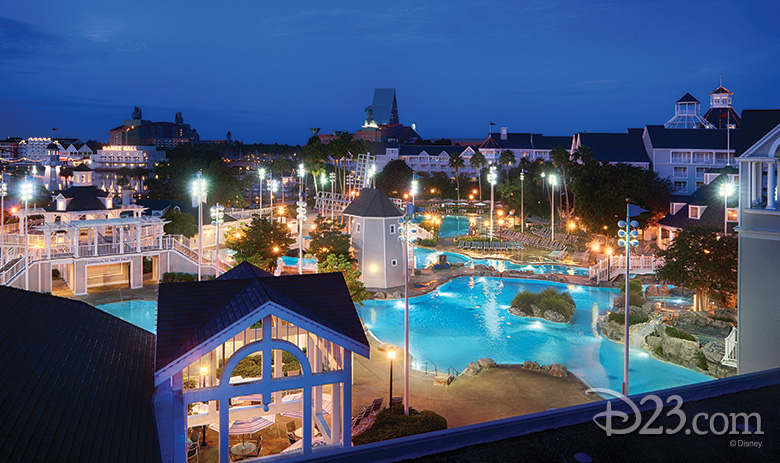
[730, 358]
[609, 268]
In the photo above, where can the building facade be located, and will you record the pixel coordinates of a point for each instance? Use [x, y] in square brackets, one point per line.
[140, 132]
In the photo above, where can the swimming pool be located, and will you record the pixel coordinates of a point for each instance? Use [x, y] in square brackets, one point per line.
[454, 225]
[293, 261]
[138, 312]
[424, 257]
[466, 319]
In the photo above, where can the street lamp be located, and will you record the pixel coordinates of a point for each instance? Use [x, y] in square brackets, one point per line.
[217, 219]
[492, 177]
[522, 198]
[273, 185]
[27, 192]
[261, 175]
[627, 234]
[391, 356]
[3, 193]
[727, 189]
[553, 182]
[332, 177]
[199, 195]
[414, 189]
[407, 237]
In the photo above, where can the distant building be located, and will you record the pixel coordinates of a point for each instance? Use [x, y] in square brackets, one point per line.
[721, 115]
[374, 230]
[9, 148]
[109, 159]
[137, 131]
[615, 148]
[687, 115]
[33, 149]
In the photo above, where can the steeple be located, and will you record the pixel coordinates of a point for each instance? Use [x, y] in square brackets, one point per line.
[721, 114]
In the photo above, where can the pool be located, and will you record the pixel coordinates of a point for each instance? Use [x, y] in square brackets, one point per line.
[424, 256]
[454, 225]
[466, 319]
[289, 261]
[138, 312]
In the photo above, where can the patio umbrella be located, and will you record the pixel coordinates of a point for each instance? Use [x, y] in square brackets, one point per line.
[245, 426]
[481, 204]
[316, 442]
[448, 204]
[327, 404]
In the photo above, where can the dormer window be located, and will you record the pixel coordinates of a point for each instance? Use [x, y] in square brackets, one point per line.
[695, 212]
[61, 204]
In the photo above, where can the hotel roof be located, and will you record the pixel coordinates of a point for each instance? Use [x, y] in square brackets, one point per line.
[77, 383]
[616, 147]
[662, 137]
[372, 203]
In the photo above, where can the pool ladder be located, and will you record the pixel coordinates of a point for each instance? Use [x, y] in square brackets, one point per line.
[121, 300]
[450, 370]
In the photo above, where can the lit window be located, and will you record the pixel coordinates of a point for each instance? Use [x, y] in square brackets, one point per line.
[732, 215]
[694, 212]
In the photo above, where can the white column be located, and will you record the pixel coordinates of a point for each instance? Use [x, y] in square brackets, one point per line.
[77, 239]
[138, 238]
[95, 234]
[161, 232]
[47, 235]
[756, 178]
[121, 239]
[770, 185]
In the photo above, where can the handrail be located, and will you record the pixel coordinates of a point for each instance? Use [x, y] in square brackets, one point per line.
[730, 355]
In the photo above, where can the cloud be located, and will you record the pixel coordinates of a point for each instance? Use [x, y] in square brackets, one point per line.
[21, 40]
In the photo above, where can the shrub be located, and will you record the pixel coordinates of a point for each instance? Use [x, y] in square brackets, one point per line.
[524, 300]
[659, 351]
[724, 318]
[427, 243]
[633, 318]
[250, 366]
[394, 424]
[634, 286]
[677, 333]
[700, 361]
[551, 299]
[174, 277]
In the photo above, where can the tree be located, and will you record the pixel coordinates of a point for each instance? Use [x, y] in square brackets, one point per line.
[701, 260]
[395, 178]
[339, 263]
[456, 162]
[314, 157]
[536, 202]
[507, 159]
[67, 174]
[123, 176]
[562, 161]
[260, 242]
[478, 162]
[328, 238]
[180, 223]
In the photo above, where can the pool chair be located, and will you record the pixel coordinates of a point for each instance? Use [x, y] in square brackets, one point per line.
[376, 405]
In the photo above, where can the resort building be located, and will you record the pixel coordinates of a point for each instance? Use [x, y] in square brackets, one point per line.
[721, 115]
[139, 132]
[759, 251]
[301, 329]
[687, 115]
[376, 247]
[9, 148]
[614, 147]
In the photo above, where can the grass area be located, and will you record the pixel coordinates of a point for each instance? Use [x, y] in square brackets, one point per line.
[678, 333]
[633, 318]
[391, 424]
[547, 299]
[700, 361]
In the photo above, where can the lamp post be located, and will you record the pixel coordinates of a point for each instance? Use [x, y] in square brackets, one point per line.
[391, 356]
[261, 175]
[301, 216]
[522, 199]
[492, 176]
[27, 191]
[204, 371]
[726, 189]
[199, 194]
[272, 184]
[553, 182]
[407, 237]
[414, 189]
[627, 234]
[3, 193]
[217, 219]
[332, 177]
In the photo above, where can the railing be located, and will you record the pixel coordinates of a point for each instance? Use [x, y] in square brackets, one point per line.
[609, 268]
[730, 357]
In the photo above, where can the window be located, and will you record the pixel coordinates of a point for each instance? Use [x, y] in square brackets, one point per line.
[394, 263]
[693, 212]
[357, 228]
[392, 229]
[700, 173]
[732, 215]
[699, 184]
[680, 172]
[724, 158]
[702, 158]
[679, 157]
[680, 186]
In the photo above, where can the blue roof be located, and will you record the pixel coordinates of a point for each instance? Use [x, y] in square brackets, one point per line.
[77, 383]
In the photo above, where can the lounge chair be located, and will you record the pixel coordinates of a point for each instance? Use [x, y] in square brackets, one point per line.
[396, 401]
[376, 405]
[193, 446]
[291, 432]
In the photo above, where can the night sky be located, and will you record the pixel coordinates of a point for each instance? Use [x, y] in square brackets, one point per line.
[267, 71]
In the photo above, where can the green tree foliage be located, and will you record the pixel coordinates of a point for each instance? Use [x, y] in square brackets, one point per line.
[547, 299]
[479, 162]
[255, 242]
[393, 423]
[328, 238]
[561, 159]
[344, 147]
[439, 182]
[123, 176]
[507, 159]
[701, 260]
[457, 162]
[535, 191]
[395, 179]
[339, 263]
[601, 191]
[180, 223]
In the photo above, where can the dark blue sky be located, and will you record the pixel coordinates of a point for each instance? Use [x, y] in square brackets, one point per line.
[267, 71]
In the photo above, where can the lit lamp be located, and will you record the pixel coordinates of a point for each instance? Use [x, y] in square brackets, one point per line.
[492, 177]
[26, 194]
[414, 190]
[407, 237]
[274, 185]
[261, 175]
[628, 235]
[553, 182]
[301, 210]
[727, 189]
[3, 193]
[391, 356]
[217, 219]
[199, 195]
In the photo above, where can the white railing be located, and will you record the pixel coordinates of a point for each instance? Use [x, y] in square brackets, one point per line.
[730, 357]
[609, 268]
[424, 234]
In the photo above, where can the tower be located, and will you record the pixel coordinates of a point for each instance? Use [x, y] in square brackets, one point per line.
[687, 115]
[721, 114]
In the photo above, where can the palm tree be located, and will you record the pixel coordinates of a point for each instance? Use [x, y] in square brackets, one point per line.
[507, 158]
[456, 162]
[562, 160]
[478, 162]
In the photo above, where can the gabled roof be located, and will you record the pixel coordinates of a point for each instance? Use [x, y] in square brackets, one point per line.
[372, 203]
[83, 167]
[431, 150]
[490, 143]
[616, 147]
[756, 123]
[687, 98]
[721, 89]
[707, 195]
[711, 139]
[82, 198]
[77, 383]
[245, 270]
[722, 117]
[193, 313]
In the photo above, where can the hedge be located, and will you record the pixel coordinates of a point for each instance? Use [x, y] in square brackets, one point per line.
[394, 424]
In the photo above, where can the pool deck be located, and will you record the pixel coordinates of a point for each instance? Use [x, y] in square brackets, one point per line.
[492, 394]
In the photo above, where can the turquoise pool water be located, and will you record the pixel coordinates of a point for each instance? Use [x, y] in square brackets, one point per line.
[454, 225]
[293, 261]
[137, 312]
[466, 319]
[424, 256]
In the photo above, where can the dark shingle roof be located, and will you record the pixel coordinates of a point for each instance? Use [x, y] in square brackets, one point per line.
[661, 137]
[77, 383]
[721, 89]
[244, 270]
[545, 142]
[616, 147]
[755, 124]
[372, 203]
[722, 117]
[83, 167]
[189, 314]
[82, 198]
[432, 150]
[687, 98]
[707, 195]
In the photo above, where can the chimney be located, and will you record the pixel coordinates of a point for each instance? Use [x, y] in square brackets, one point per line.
[503, 133]
[127, 197]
